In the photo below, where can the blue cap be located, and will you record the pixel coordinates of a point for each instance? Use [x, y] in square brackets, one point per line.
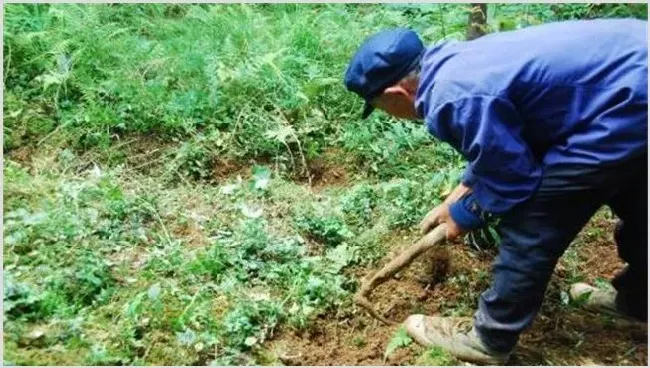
[381, 61]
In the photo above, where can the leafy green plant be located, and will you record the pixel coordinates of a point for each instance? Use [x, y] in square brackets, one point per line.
[484, 238]
[400, 339]
[213, 262]
[603, 284]
[86, 281]
[575, 11]
[358, 204]
[435, 356]
[330, 230]
[20, 299]
[388, 149]
[250, 323]
[194, 161]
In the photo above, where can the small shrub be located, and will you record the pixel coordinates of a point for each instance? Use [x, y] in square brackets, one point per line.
[86, 281]
[327, 230]
[20, 299]
[250, 323]
[358, 204]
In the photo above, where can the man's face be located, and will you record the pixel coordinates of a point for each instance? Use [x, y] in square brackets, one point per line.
[399, 100]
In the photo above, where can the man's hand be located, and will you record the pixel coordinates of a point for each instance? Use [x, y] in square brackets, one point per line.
[440, 214]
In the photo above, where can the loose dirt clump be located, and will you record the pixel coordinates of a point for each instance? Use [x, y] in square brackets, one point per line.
[573, 336]
[436, 265]
[191, 233]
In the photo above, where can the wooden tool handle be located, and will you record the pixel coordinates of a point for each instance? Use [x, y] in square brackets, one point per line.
[404, 259]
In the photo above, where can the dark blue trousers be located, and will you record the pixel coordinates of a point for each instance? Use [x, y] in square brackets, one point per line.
[536, 233]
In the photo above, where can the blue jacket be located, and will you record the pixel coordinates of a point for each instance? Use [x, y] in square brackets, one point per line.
[513, 103]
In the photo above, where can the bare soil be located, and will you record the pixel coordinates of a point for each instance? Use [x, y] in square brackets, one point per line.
[559, 336]
[327, 170]
[22, 155]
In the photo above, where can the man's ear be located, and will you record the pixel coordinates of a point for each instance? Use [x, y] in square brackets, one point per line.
[396, 91]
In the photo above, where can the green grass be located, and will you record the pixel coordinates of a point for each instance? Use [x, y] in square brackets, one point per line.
[240, 81]
[436, 357]
[127, 237]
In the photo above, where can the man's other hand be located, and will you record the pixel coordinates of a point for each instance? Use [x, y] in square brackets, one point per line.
[440, 214]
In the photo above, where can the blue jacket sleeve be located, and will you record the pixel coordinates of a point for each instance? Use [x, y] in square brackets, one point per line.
[468, 178]
[466, 213]
[487, 131]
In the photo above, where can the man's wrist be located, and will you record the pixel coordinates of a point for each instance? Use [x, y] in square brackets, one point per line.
[460, 191]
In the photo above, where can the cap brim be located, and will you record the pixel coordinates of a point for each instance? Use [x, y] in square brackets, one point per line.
[367, 110]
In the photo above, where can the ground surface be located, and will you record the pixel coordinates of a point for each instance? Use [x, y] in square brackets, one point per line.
[560, 336]
[193, 185]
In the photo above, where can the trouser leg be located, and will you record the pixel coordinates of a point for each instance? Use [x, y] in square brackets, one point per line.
[631, 236]
[533, 237]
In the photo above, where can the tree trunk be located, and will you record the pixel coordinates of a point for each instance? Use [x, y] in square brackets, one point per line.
[477, 21]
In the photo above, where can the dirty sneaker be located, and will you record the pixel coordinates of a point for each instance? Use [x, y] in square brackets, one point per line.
[595, 300]
[454, 335]
[604, 302]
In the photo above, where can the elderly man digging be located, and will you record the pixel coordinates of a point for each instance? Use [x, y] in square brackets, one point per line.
[552, 120]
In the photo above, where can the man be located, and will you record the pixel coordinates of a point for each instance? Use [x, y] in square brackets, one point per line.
[552, 120]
